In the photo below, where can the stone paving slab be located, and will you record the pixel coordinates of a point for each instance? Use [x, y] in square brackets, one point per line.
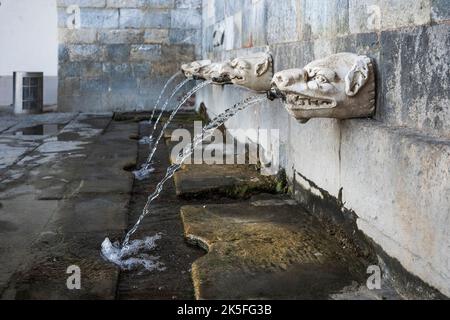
[21, 220]
[45, 277]
[267, 248]
[84, 213]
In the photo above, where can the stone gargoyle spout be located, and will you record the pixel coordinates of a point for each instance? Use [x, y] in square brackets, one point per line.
[253, 72]
[206, 70]
[339, 86]
[195, 69]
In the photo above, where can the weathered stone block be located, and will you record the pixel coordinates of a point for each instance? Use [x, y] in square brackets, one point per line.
[147, 52]
[180, 53]
[91, 18]
[281, 21]
[118, 52]
[172, 56]
[187, 36]
[218, 10]
[207, 39]
[99, 18]
[120, 77]
[150, 4]
[166, 4]
[186, 18]
[364, 16]
[156, 36]
[372, 15]
[69, 86]
[396, 14]
[322, 19]
[188, 4]
[128, 36]
[93, 85]
[440, 10]
[112, 70]
[137, 18]
[77, 36]
[229, 34]
[91, 69]
[414, 69]
[124, 3]
[234, 6]
[69, 69]
[63, 54]
[82, 3]
[141, 70]
[124, 84]
[408, 206]
[254, 25]
[88, 52]
[116, 101]
[62, 17]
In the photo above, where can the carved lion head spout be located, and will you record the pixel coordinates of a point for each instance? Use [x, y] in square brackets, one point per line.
[195, 69]
[254, 72]
[216, 74]
[340, 86]
[205, 70]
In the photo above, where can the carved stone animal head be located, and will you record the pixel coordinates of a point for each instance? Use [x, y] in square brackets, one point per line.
[195, 69]
[215, 73]
[254, 72]
[340, 86]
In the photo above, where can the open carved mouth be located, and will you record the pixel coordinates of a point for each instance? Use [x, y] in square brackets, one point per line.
[221, 79]
[238, 78]
[198, 77]
[308, 103]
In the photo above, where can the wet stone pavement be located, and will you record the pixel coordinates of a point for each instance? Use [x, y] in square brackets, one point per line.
[66, 184]
[62, 191]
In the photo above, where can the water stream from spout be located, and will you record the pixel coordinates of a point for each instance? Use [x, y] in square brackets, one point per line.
[145, 169]
[148, 139]
[120, 254]
[164, 107]
[171, 79]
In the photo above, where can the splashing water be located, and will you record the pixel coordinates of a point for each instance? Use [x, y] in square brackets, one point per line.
[172, 78]
[145, 140]
[121, 255]
[144, 171]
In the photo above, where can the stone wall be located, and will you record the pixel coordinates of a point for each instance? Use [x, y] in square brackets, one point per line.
[124, 51]
[392, 171]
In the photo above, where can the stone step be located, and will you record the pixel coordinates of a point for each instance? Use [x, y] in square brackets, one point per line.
[270, 248]
[206, 180]
[235, 181]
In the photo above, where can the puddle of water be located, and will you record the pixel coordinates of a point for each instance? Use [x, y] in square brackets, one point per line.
[39, 130]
